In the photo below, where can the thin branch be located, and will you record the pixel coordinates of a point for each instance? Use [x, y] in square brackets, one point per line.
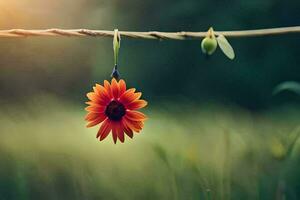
[146, 35]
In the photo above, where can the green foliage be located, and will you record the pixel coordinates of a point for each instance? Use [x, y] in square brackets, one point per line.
[210, 153]
[209, 44]
[291, 86]
[225, 46]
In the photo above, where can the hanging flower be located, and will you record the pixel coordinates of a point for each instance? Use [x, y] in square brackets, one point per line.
[115, 107]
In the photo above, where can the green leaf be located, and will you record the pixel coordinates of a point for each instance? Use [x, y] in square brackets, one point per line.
[287, 86]
[225, 47]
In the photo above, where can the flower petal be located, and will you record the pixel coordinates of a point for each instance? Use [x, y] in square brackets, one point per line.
[92, 96]
[102, 93]
[127, 130]
[137, 105]
[115, 127]
[98, 120]
[99, 99]
[115, 88]
[122, 86]
[92, 103]
[133, 125]
[95, 109]
[104, 130]
[107, 86]
[120, 132]
[129, 96]
[92, 116]
[135, 115]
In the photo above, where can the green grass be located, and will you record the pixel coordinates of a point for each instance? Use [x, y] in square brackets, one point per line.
[193, 152]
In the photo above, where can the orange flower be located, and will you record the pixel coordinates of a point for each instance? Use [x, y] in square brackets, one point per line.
[115, 107]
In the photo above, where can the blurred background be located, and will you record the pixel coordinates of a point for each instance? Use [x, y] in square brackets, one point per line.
[215, 131]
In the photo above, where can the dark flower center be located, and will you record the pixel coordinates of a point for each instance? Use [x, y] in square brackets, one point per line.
[115, 110]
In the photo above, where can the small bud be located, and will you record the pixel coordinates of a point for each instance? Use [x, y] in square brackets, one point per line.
[209, 43]
[115, 73]
[116, 45]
